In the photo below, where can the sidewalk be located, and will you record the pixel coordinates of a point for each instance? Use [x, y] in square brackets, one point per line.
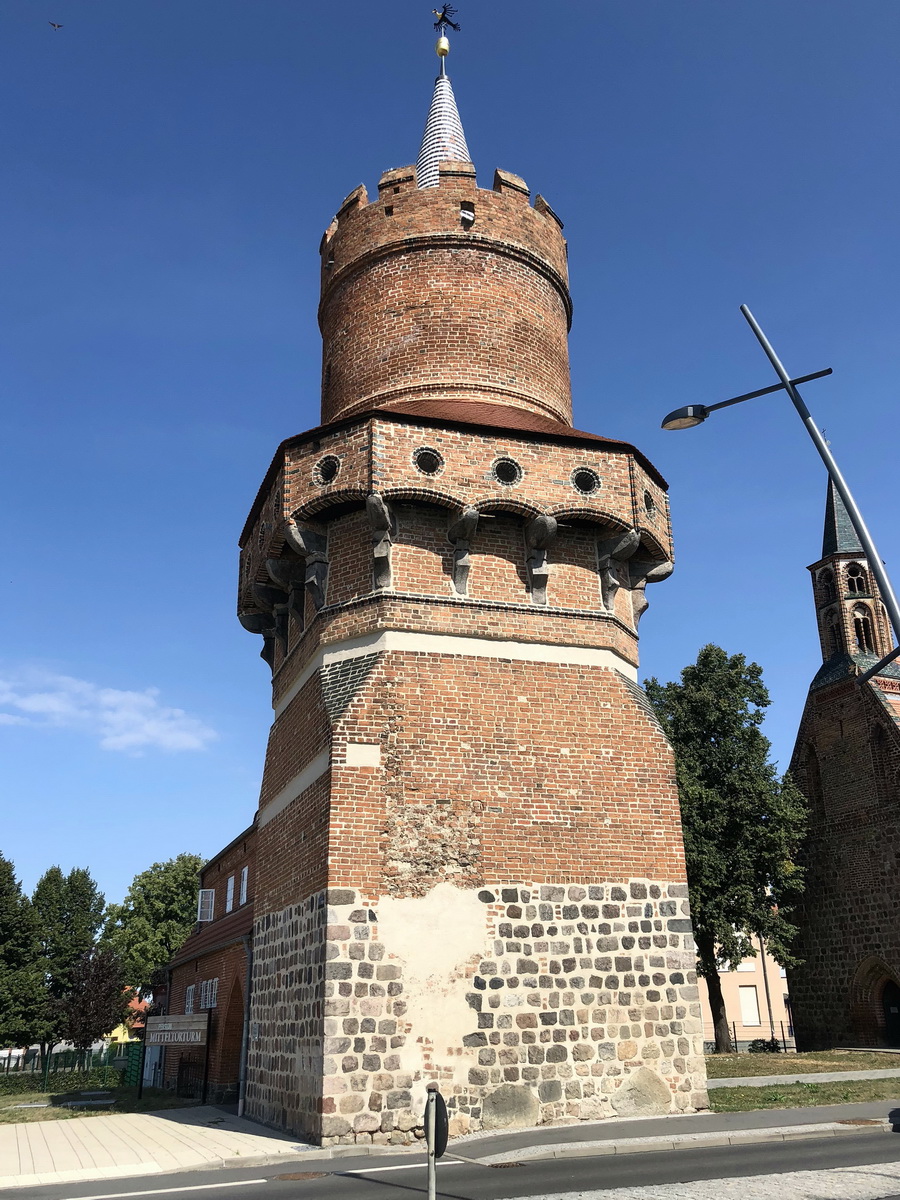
[808, 1077]
[130, 1144]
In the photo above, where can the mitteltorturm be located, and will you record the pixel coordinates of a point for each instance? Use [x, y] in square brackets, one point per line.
[468, 855]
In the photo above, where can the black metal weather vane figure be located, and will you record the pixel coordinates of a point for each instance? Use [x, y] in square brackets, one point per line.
[445, 18]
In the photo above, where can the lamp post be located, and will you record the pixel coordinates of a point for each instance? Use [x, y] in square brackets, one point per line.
[695, 414]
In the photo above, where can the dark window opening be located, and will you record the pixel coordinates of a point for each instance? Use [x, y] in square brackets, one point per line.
[507, 471]
[857, 583]
[467, 213]
[428, 461]
[326, 470]
[389, 210]
[862, 631]
[585, 480]
[834, 642]
[649, 504]
[826, 583]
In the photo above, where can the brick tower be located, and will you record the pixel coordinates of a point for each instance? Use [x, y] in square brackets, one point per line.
[847, 761]
[470, 865]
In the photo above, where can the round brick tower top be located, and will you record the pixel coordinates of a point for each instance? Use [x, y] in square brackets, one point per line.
[446, 293]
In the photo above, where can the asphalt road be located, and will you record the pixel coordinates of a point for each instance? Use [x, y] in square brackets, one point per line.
[387, 1179]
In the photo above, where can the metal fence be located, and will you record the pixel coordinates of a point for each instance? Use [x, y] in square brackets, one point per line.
[19, 1062]
[742, 1038]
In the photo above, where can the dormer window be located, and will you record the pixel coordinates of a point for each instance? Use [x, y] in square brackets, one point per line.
[857, 581]
[862, 630]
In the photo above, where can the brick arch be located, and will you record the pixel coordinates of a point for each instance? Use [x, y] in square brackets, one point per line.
[866, 991]
[425, 495]
[510, 505]
[340, 498]
[566, 512]
[232, 1031]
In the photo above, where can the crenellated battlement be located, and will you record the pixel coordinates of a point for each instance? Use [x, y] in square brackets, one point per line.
[452, 292]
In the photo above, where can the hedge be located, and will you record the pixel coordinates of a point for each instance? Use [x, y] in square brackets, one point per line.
[19, 1082]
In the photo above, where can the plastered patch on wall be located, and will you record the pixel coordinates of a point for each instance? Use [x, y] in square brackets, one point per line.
[434, 938]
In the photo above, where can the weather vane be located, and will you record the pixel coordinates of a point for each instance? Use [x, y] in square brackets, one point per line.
[445, 19]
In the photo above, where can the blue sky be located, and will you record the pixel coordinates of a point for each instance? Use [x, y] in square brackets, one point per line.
[169, 170]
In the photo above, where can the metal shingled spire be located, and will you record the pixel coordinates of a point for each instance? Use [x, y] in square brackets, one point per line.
[443, 139]
[840, 537]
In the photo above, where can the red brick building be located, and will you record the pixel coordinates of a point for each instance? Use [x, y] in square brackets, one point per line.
[469, 864]
[847, 761]
[210, 973]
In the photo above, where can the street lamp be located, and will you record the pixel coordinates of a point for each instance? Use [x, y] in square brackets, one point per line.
[695, 414]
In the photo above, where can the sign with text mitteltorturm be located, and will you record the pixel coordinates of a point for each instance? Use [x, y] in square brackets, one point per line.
[179, 1029]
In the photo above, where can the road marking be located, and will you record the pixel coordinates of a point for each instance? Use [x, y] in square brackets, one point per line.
[368, 1171]
[195, 1187]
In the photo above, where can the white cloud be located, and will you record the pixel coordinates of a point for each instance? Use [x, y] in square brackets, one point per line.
[120, 720]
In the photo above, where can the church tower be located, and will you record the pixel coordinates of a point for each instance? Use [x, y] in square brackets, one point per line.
[469, 857]
[847, 762]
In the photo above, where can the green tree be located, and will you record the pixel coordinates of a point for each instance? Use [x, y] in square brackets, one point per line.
[97, 999]
[742, 824]
[69, 910]
[22, 994]
[158, 913]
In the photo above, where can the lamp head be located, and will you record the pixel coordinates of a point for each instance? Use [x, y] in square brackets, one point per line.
[686, 418]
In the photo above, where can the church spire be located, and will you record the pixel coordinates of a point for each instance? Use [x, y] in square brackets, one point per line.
[839, 537]
[443, 139]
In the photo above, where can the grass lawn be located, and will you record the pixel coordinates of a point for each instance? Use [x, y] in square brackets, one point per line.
[736, 1066]
[802, 1095]
[126, 1101]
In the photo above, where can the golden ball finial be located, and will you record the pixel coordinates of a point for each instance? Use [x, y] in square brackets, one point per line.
[442, 47]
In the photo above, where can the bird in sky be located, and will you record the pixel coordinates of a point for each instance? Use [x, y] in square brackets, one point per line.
[54, 24]
[445, 17]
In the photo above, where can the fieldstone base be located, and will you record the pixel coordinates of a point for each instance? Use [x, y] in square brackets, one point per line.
[526, 1004]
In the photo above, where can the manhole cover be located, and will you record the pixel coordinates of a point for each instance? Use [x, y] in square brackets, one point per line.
[302, 1175]
[858, 1121]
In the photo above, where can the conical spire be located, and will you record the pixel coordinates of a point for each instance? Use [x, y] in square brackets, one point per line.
[840, 536]
[443, 139]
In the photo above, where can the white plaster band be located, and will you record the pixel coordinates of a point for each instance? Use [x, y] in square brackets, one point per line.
[295, 788]
[461, 647]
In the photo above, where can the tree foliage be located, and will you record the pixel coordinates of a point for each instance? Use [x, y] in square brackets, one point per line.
[22, 993]
[97, 999]
[742, 824]
[158, 913]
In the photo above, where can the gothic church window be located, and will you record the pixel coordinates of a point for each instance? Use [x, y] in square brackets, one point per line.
[826, 583]
[862, 630]
[857, 583]
[834, 642]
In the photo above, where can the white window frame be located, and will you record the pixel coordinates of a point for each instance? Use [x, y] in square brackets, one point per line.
[209, 993]
[206, 904]
[245, 877]
[189, 998]
[229, 894]
[749, 1004]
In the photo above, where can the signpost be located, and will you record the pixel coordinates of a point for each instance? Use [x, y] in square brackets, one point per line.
[436, 1131]
[177, 1029]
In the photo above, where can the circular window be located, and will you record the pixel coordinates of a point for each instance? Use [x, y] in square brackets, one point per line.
[585, 481]
[649, 504]
[507, 471]
[428, 461]
[326, 469]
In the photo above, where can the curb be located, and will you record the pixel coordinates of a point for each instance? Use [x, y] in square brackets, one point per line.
[688, 1141]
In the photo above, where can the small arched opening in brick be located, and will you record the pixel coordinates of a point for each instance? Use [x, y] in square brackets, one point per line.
[872, 1023]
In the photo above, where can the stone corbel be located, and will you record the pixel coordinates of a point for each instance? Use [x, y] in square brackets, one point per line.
[611, 553]
[289, 575]
[264, 624]
[642, 573]
[274, 600]
[539, 535]
[460, 533]
[383, 527]
[312, 549]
